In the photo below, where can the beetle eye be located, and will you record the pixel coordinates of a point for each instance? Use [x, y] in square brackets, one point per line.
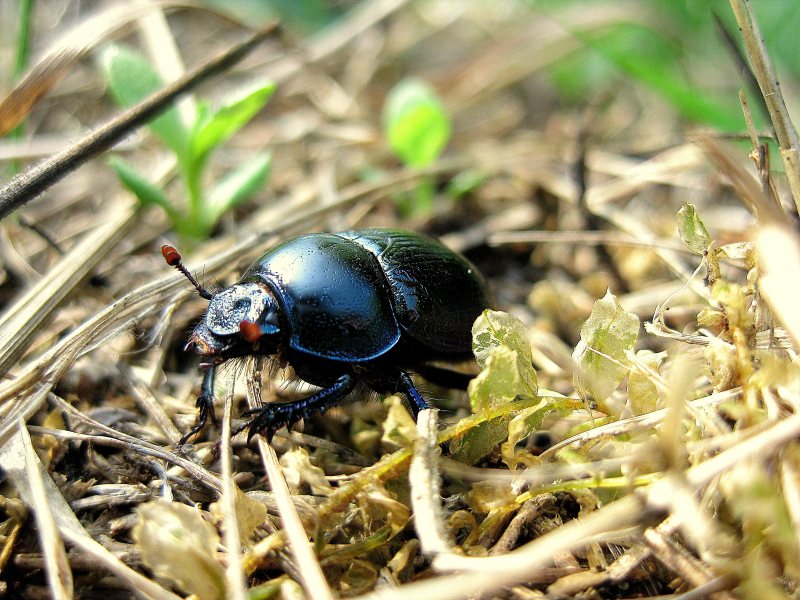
[241, 302]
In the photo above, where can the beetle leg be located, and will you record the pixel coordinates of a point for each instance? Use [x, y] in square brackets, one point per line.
[406, 386]
[205, 404]
[271, 417]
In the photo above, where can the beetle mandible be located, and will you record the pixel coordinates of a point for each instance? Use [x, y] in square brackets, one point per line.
[366, 306]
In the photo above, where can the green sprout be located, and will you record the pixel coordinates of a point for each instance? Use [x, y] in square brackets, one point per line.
[130, 79]
[417, 127]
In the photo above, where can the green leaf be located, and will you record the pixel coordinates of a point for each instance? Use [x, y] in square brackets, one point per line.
[215, 128]
[131, 79]
[494, 328]
[479, 441]
[692, 230]
[600, 357]
[239, 184]
[655, 63]
[498, 382]
[147, 192]
[415, 123]
[417, 202]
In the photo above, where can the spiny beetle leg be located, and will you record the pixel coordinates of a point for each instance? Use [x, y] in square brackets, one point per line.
[271, 417]
[205, 404]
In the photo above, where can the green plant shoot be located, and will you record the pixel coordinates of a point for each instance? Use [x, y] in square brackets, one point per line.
[417, 127]
[131, 78]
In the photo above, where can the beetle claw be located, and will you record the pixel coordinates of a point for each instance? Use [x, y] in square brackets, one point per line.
[268, 419]
[263, 423]
[206, 405]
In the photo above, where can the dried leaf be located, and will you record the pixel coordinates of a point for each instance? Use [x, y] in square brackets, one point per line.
[721, 363]
[479, 441]
[179, 545]
[396, 513]
[498, 382]
[642, 392]
[486, 496]
[736, 304]
[399, 428]
[298, 469]
[250, 514]
[526, 422]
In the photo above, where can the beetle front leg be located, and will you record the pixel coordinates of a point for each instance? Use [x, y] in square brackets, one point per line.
[271, 417]
[205, 404]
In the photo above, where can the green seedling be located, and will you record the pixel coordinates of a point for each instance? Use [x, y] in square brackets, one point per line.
[130, 79]
[417, 127]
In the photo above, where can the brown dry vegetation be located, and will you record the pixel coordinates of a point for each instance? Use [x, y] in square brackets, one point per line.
[685, 480]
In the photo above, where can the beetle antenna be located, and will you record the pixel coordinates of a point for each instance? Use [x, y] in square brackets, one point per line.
[173, 258]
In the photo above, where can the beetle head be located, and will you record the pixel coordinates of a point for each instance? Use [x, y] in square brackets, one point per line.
[245, 314]
[240, 320]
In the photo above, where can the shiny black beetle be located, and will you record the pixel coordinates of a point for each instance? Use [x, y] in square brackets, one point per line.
[359, 306]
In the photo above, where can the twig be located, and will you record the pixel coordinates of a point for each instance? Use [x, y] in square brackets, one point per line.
[423, 478]
[21, 321]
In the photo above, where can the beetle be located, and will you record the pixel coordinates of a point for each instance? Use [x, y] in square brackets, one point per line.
[365, 306]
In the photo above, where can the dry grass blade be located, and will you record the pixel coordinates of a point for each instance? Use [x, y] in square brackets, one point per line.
[790, 482]
[776, 240]
[680, 560]
[779, 249]
[57, 568]
[364, 16]
[35, 380]
[631, 510]
[15, 463]
[21, 321]
[234, 574]
[665, 484]
[423, 477]
[485, 575]
[37, 83]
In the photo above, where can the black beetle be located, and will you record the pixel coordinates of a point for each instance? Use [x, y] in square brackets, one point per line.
[359, 306]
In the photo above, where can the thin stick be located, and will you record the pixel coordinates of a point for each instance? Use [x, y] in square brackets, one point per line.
[771, 91]
[234, 573]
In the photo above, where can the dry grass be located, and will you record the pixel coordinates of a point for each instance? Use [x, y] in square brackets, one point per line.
[696, 495]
